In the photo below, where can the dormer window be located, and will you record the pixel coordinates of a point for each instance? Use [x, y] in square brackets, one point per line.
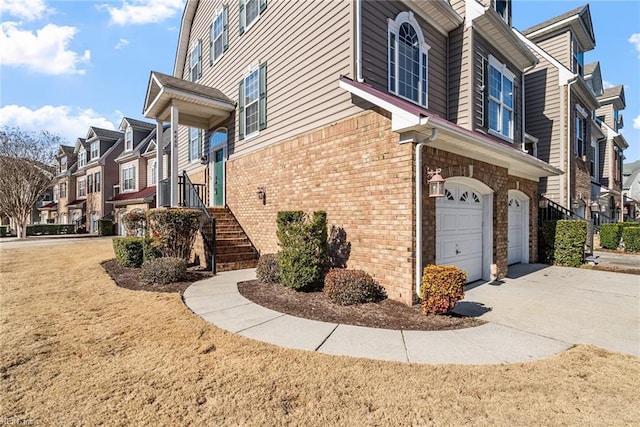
[128, 140]
[503, 8]
[578, 59]
[95, 150]
[63, 164]
[408, 60]
[82, 158]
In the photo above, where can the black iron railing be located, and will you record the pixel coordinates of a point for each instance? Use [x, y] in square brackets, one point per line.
[548, 210]
[191, 197]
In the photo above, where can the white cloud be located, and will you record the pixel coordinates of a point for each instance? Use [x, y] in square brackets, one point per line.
[606, 84]
[46, 51]
[143, 11]
[635, 41]
[70, 123]
[122, 43]
[636, 122]
[29, 10]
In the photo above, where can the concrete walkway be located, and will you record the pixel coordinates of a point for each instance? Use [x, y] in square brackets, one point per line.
[218, 301]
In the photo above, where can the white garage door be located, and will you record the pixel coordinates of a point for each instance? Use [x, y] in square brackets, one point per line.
[459, 230]
[515, 231]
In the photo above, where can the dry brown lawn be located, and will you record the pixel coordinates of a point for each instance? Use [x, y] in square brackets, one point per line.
[78, 350]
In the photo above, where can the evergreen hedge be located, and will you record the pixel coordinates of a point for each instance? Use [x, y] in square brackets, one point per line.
[570, 238]
[610, 235]
[548, 241]
[106, 227]
[174, 230]
[50, 229]
[631, 238]
[303, 255]
[128, 250]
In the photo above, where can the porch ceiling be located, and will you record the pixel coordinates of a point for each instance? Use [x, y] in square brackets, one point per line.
[199, 106]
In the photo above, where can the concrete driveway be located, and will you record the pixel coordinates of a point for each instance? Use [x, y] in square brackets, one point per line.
[568, 304]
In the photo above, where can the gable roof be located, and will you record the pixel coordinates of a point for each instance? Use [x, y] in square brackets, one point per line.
[578, 20]
[103, 133]
[613, 95]
[137, 123]
[183, 39]
[593, 76]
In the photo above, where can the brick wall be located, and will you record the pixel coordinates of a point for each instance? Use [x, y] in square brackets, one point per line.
[357, 172]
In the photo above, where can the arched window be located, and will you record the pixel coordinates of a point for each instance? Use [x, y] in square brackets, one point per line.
[408, 59]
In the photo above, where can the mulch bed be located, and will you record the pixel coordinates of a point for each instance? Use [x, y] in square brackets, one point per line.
[387, 314]
[129, 278]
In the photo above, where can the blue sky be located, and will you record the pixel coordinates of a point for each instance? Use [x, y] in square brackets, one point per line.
[68, 65]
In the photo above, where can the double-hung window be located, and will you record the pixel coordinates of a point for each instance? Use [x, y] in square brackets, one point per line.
[63, 164]
[219, 35]
[128, 178]
[195, 61]
[503, 8]
[97, 183]
[408, 59]
[82, 158]
[89, 184]
[501, 99]
[82, 189]
[250, 11]
[128, 139]
[63, 190]
[195, 144]
[252, 101]
[580, 132]
[95, 150]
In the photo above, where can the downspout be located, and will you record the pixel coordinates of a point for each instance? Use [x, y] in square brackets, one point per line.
[359, 77]
[419, 182]
[569, 151]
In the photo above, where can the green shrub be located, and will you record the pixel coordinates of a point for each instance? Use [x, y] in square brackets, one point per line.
[50, 229]
[162, 271]
[348, 287]
[610, 235]
[150, 249]
[303, 254]
[267, 270]
[631, 238]
[106, 227]
[128, 250]
[4, 230]
[134, 222]
[571, 235]
[442, 287]
[548, 241]
[174, 230]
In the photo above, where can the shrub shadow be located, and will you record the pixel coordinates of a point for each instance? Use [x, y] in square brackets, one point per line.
[470, 309]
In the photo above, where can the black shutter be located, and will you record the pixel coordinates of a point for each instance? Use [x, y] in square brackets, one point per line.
[225, 28]
[262, 106]
[240, 20]
[241, 110]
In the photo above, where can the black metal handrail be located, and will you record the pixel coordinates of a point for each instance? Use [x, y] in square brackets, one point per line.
[548, 210]
[191, 197]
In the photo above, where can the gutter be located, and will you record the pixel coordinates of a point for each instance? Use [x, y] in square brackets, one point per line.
[359, 76]
[569, 152]
[419, 189]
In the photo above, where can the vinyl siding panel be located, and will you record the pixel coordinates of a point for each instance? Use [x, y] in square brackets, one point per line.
[459, 110]
[306, 45]
[607, 111]
[459, 6]
[559, 47]
[375, 51]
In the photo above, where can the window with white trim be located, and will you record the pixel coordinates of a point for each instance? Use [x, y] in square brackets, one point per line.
[154, 172]
[195, 144]
[503, 8]
[63, 164]
[252, 101]
[89, 183]
[501, 99]
[250, 11]
[97, 181]
[95, 150]
[578, 58]
[63, 190]
[128, 139]
[82, 189]
[128, 178]
[219, 34]
[408, 59]
[195, 61]
[580, 148]
[82, 158]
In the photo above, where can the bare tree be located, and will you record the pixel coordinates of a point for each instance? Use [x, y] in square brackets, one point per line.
[26, 172]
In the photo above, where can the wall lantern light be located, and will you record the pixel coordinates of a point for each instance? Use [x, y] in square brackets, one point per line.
[436, 183]
[261, 194]
[595, 206]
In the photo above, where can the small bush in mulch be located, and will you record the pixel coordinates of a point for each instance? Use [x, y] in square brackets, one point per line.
[267, 270]
[349, 287]
[129, 251]
[442, 287]
[163, 270]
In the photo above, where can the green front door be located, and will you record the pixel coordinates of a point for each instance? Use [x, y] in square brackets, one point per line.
[218, 181]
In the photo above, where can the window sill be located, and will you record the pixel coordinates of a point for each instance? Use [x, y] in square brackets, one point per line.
[499, 135]
[252, 135]
[425, 106]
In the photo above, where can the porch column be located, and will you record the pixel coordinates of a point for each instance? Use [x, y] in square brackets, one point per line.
[174, 156]
[160, 163]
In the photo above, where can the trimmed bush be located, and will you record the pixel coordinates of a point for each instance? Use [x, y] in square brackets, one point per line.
[267, 270]
[4, 230]
[174, 230]
[631, 238]
[610, 235]
[548, 241]
[442, 287]
[134, 223]
[571, 235]
[303, 255]
[349, 287]
[106, 227]
[50, 229]
[150, 249]
[128, 250]
[162, 271]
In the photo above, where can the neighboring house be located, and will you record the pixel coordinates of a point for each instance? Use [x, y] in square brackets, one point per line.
[64, 187]
[136, 189]
[345, 107]
[631, 191]
[560, 105]
[95, 176]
